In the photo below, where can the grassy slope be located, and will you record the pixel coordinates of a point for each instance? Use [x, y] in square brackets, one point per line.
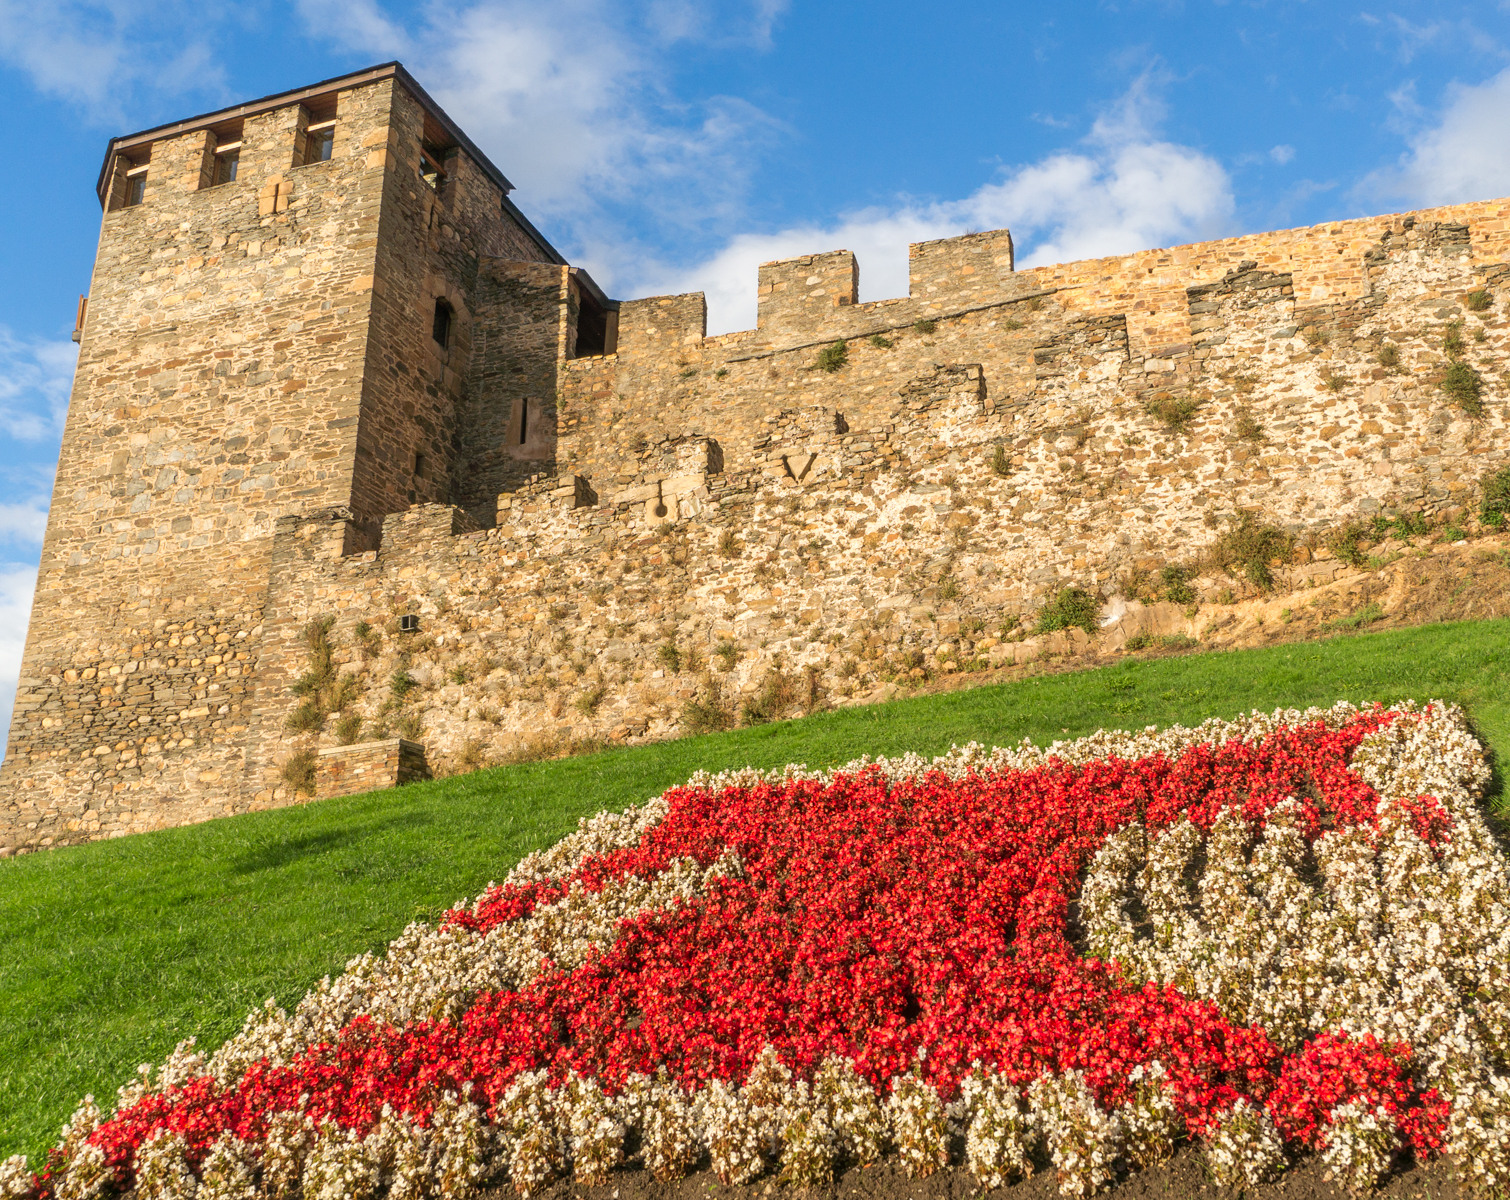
[113, 952]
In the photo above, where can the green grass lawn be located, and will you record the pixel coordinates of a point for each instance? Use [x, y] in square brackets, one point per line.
[111, 953]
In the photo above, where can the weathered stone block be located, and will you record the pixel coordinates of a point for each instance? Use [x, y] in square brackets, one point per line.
[369, 767]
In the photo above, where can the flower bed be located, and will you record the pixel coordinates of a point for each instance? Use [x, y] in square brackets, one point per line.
[1280, 935]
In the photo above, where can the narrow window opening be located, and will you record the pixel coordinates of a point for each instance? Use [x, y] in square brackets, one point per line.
[524, 420]
[136, 187]
[430, 169]
[592, 327]
[419, 465]
[441, 329]
[408, 623]
[320, 142]
[227, 159]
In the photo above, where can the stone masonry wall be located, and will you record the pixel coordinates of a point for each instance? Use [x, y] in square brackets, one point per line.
[348, 770]
[751, 534]
[687, 531]
[252, 349]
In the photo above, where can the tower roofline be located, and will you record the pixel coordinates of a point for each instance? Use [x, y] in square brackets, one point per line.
[393, 70]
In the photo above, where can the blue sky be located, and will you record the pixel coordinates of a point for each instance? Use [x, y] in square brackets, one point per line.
[673, 145]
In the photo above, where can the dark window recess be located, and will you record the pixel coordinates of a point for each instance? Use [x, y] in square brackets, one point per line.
[136, 189]
[441, 329]
[524, 420]
[319, 144]
[430, 169]
[225, 166]
[592, 327]
[408, 623]
[419, 465]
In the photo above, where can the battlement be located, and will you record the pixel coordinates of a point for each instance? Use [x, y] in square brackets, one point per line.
[814, 298]
[346, 386]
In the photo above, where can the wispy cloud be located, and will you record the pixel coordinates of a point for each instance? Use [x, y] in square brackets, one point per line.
[678, 20]
[17, 583]
[568, 99]
[95, 53]
[35, 377]
[1463, 155]
[1412, 39]
[23, 523]
[1122, 188]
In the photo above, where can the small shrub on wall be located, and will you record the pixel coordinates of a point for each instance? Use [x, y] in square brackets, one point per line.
[1072, 607]
[707, 714]
[779, 692]
[1175, 581]
[1465, 387]
[1248, 429]
[401, 683]
[1175, 413]
[832, 358]
[323, 688]
[1495, 509]
[1249, 548]
[299, 772]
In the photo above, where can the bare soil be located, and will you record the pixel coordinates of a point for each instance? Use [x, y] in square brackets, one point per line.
[1410, 584]
[1183, 1177]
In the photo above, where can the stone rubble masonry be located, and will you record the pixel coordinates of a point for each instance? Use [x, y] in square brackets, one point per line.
[251, 349]
[619, 546]
[346, 770]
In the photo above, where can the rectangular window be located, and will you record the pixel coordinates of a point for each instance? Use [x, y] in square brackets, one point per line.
[226, 160]
[430, 169]
[136, 187]
[320, 142]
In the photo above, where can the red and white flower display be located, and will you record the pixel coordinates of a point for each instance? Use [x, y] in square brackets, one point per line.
[1284, 934]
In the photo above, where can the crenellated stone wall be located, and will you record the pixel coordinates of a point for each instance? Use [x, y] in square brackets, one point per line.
[736, 514]
[681, 531]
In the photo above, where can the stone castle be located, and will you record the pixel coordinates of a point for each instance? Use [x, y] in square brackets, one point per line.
[362, 480]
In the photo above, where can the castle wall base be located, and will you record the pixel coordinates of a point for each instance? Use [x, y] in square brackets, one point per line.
[369, 766]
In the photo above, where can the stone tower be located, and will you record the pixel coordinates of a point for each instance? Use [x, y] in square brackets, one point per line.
[281, 320]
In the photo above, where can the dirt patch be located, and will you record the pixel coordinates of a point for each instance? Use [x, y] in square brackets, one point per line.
[1181, 1178]
[1422, 586]
[1406, 585]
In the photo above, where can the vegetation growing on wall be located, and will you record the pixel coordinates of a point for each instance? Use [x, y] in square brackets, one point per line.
[1072, 607]
[1495, 508]
[833, 357]
[322, 688]
[1251, 548]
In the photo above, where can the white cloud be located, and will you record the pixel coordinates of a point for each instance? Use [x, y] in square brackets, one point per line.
[1282, 154]
[35, 378]
[675, 20]
[17, 583]
[566, 98]
[23, 523]
[95, 52]
[1121, 189]
[1464, 156]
